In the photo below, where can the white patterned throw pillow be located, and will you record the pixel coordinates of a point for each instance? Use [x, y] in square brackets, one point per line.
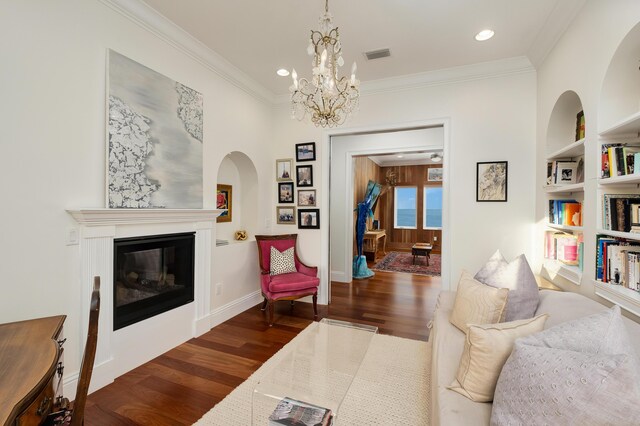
[518, 278]
[581, 372]
[282, 262]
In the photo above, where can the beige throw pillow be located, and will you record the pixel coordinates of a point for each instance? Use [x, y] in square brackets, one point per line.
[486, 349]
[477, 303]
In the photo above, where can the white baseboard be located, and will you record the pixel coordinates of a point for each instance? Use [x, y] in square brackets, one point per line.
[231, 309]
[101, 376]
[105, 373]
[339, 276]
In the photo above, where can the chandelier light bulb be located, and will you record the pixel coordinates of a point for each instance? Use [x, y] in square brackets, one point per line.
[323, 60]
[354, 68]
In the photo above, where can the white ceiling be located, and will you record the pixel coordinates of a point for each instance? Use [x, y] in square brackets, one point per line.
[260, 36]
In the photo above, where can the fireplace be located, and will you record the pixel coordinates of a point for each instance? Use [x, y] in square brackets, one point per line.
[151, 275]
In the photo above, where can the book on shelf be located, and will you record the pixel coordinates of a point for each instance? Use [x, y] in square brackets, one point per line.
[565, 212]
[618, 262]
[606, 161]
[621, 212]
[293, 412]
[619, 160]
[562, 247]
[580, 126]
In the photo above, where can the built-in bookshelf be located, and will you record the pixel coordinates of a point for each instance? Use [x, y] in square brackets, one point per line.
[617, 270]
[564, 189]
[619, 201]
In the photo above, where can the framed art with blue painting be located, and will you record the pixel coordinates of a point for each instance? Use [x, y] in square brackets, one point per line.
[306, 151]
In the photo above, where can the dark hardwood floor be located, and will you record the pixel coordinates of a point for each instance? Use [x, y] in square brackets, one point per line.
[180, 386]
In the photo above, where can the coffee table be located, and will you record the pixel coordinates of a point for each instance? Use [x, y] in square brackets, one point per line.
[421, 249]
[318, 370]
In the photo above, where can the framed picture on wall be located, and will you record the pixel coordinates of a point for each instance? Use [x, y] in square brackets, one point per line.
[306, 151]
[306, 197]
[308, 218]
[284, 167]
[304, 175]
[285, 192]
[224, 199]
[434, 174]
[286, 215]
[491, 181]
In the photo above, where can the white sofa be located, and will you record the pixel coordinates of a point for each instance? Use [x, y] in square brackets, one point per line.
[449, 408]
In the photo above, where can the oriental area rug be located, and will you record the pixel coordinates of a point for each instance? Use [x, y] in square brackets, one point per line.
[392, 387]
[403, 262]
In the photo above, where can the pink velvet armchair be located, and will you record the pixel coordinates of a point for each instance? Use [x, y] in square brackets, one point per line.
[288, 286]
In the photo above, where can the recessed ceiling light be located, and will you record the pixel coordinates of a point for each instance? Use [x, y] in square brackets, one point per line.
[484, 35]
[282, 72]
[436, 158]
[399, 156]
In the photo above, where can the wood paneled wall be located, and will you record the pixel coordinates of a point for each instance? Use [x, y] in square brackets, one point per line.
[363, 171]
[403, 239]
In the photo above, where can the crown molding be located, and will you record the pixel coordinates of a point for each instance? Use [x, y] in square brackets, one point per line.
[151, 20]
[479, 71]
[556, 25]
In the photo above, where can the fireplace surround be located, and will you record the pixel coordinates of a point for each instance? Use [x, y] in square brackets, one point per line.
[123, 349]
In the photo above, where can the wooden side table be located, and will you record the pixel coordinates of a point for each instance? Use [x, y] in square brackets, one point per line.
[372, 239]
[421, 249]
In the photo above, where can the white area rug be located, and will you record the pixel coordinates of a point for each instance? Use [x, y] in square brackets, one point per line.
[391, 387]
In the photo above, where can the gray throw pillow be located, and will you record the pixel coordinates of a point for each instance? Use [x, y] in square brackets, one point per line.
[579, 372]
[518, 278]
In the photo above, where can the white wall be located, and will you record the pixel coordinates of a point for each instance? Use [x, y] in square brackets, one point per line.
[579, 62]
[490, 119]
[52, 116]
[343, 148]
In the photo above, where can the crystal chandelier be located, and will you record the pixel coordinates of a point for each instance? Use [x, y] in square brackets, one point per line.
[327, 99]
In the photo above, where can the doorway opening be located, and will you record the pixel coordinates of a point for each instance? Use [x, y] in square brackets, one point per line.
[404, 234]
[355, 157]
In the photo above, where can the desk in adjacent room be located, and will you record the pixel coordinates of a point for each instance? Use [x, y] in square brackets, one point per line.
[371, 239]
[31, 372]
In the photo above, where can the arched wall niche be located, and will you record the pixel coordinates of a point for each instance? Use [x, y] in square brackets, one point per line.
[562, 123]
[238, 170]
[620, 95]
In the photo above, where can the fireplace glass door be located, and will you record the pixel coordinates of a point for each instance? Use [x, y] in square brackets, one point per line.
[152, 275]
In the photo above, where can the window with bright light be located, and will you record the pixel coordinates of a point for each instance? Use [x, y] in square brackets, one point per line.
[432, 208]
[405, 207]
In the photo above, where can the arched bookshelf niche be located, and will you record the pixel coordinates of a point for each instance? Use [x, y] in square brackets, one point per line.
[564, 187]
[620, 95]
[618, 193]
[238, 171]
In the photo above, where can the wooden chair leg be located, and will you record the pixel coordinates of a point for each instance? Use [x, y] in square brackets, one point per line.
[315, 306]
[264, 305]
[270, 314]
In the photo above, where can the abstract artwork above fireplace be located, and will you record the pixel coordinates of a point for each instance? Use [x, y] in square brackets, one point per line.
[154, 139]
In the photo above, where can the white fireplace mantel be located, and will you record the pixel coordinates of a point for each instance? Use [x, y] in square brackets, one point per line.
[124, 349]
[101, 217]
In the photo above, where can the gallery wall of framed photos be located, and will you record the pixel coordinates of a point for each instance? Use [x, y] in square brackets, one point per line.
[295, 189]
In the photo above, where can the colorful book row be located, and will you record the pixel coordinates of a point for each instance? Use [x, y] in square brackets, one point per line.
[565, 212]
[566, 248]
[618, 262]
[619, 160]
